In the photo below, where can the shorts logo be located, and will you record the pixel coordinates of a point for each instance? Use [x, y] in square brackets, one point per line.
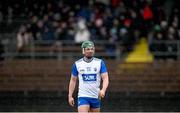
[89, 77]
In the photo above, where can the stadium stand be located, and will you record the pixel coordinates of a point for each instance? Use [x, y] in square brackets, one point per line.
[47, 81]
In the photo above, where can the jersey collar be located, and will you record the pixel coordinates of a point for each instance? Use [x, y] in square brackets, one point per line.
[88, 60]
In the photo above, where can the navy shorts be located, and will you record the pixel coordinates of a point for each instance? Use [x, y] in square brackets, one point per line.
[92, 102]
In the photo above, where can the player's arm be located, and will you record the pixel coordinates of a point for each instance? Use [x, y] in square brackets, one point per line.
[72, 86]
[105, 84]
[105, 79]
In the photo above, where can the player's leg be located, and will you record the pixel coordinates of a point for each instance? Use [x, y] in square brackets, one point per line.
[95, 110]
[83, 105]
[94, 105]
[83, 108]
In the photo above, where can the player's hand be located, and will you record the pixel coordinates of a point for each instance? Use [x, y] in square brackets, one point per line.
[71, 101]
[101, 94]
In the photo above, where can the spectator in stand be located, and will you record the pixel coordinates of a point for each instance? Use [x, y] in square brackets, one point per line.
[156, 47]
[23, 38]
[82, 33]
[171, 47]
[1, 51]
[115, 20]
[147, 19]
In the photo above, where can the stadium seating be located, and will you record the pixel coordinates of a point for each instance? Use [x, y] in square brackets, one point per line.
[42, 85]
[54, 75]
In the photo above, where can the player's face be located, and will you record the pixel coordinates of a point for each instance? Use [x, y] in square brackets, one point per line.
[89, 52]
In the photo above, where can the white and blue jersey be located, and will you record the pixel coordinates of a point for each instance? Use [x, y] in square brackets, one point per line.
[89, 75]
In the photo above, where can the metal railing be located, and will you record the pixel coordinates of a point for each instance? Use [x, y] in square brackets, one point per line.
[166, 48]
[64, 49]
[56, 49]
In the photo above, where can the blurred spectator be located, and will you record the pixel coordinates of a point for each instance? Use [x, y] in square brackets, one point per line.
[124, 21]
[171, 47]
[1, 51]
[23, 38]
[158, 47]
[147, 18]
[47, 34]
[1, 17]
[82, 33]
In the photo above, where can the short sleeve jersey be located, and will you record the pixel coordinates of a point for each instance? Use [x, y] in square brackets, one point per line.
[89, 75]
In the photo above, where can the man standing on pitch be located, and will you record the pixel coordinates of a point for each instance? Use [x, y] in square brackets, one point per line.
[89, 71]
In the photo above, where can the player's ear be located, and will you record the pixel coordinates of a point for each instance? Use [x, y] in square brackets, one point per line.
[83, 51]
